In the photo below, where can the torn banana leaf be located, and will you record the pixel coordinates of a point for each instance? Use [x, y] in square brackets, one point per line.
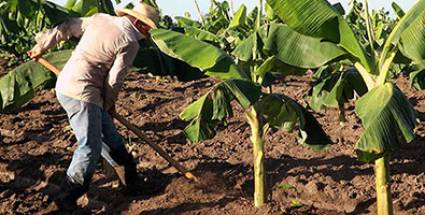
[388, 120]
[214, 107]
[285, 113]
[21, 84]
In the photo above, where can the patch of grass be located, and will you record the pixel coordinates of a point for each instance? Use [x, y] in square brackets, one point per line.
[285, 186]
[295, 203]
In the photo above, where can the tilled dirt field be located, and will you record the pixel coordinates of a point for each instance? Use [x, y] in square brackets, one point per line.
[36, 148]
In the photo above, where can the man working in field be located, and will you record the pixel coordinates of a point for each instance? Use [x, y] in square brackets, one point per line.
[88, 86]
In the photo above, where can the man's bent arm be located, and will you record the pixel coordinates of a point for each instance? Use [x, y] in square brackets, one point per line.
[115, 80]
[73, 27]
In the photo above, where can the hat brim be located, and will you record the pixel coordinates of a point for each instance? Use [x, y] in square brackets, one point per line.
[143, 18]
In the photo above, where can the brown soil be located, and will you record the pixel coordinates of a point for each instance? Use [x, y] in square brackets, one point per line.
[2, 66]
[35, 150]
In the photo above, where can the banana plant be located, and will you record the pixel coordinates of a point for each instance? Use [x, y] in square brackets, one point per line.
[219, 28]
[21, 20]
[242, 82]
[387, 116]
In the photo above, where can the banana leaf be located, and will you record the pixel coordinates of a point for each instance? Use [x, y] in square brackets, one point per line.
[90, 7]
[202, 35]
[56, 14]
[388, 120]
[186, 22]
[334, 88]
[409, 31]
[244, 50]
[214, 107]
[285, 113]
[417, 79]
[319, 19]
[206, 57]
[239, 18]
[299, 50]
[412, 40]
[397, 9]
[408, 35]
[150, 59]
[20, 85]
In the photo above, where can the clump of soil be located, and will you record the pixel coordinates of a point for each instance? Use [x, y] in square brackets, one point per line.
[36, 148]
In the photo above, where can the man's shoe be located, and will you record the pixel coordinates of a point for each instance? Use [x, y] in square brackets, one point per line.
[70, 192]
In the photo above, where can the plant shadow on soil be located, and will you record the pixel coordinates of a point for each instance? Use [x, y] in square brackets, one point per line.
[237, 179]
[29, 174]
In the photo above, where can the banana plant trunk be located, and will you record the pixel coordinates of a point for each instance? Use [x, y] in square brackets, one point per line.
[257, 139]
[383, 187]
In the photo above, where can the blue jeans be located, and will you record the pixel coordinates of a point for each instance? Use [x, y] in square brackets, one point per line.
[96, 136]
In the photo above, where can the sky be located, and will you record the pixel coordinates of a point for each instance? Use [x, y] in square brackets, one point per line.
[178, 7]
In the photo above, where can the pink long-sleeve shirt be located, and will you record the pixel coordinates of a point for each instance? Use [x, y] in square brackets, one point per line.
[96, 70]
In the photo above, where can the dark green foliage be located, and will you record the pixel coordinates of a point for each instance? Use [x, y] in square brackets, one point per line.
[20, 85]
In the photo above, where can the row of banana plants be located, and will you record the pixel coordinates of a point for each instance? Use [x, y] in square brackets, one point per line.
[314, 34]
[20, 20]
[245, 51]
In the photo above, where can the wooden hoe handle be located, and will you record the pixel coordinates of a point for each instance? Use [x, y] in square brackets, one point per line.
[48, 65]
[134, 129]
[158, 149]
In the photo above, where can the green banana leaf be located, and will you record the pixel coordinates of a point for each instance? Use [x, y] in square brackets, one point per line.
[409, 28]
[412, 40]
[202, 35]
[56, 14]
[397, 9]
[269, 65]
[334, 88]
[417, 79]
[285, 113]
[198, 54]
[151, 60]
[252, 16]
[69, 4]
[271, 68]
[20, 85]
[239, 18]
[106, 6]
[339, 8]
[388, 120]
[244, 50]
[90, 7]
[299, 50]
[408, 35]
[26, 9]
[270, 15]
[186, 22]
[319, 19]
[214, 107]
[411, 17]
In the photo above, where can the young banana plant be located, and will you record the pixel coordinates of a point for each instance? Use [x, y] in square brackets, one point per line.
[242, 82]
[386, 114]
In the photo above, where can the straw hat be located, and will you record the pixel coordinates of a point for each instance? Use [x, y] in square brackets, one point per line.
[145, 13]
